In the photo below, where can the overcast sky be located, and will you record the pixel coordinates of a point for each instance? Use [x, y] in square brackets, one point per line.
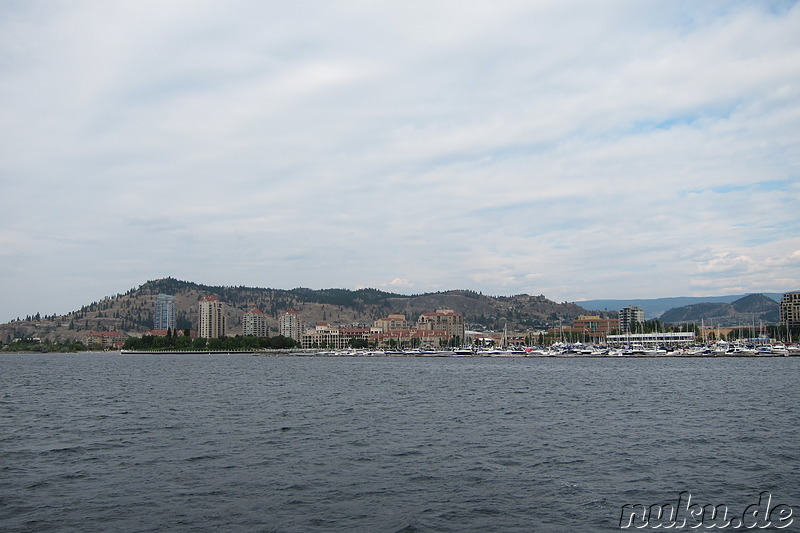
[615, 149]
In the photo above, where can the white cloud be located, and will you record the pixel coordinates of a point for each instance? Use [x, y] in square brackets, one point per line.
[510, 148]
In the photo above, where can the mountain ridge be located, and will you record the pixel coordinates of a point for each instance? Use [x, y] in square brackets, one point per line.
[753, 308]
[132, 311]
[655, 307]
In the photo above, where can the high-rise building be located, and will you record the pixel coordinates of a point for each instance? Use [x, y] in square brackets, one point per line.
[629, 319]
[164, 317]
[790, 309]
[255, 323]
[290, 326]
[445, 319]
[212, 319]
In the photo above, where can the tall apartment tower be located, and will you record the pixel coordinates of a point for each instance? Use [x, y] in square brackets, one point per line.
[790, 309]
[164, 317]
[255, 323]
[290, 325]
[629, 318]
[212, 320]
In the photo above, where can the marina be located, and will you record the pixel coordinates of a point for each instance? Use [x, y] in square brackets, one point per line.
[719, 349]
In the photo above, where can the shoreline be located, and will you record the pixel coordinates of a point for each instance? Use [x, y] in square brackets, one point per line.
[440, 354]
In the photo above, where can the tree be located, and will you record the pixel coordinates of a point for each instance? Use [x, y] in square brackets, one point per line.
[183, 342]
[359, 343]
[199, 343]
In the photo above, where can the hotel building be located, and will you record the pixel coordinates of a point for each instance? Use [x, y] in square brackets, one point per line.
[323, 336]
[443, 319]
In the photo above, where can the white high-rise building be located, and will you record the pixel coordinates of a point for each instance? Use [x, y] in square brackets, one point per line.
[629, 319]
[255, 323]
[212, 319]
[290, 325]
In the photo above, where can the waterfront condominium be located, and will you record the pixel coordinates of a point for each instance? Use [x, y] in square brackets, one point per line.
[255, 323]
[290, 326]
[444, 319]
[629, 318]
[790, 309]
[394, 322]
[164, 317]
[212, 319]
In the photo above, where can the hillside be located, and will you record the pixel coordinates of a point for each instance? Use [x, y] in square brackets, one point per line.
[655, 307]
[132, 312]
[744, 311]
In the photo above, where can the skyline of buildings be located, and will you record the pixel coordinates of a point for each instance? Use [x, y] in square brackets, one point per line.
[435, 329]
[443, 326]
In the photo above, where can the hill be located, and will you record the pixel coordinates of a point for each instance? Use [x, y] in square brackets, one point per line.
[754, 308]
[655, 307]
[132, 311]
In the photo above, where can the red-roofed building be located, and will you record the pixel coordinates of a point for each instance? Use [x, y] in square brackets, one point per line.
[109, 339]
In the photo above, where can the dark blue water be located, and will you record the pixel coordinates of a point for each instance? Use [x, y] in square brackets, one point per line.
[103, 442]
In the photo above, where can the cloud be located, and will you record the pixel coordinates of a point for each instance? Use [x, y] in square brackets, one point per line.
[522, 147]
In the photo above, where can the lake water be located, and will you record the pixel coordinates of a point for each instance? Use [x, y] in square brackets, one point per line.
[105, 442]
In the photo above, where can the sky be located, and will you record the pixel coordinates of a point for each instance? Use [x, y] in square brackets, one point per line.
[579, 150]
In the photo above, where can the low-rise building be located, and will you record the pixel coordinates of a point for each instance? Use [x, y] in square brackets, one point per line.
[652, 339]
[595, 328]
[109, 339]
[393, 322]
[323, 335]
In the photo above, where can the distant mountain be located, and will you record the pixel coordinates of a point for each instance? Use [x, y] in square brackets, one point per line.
[132, 311]
[744, 311]
[655, 307]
